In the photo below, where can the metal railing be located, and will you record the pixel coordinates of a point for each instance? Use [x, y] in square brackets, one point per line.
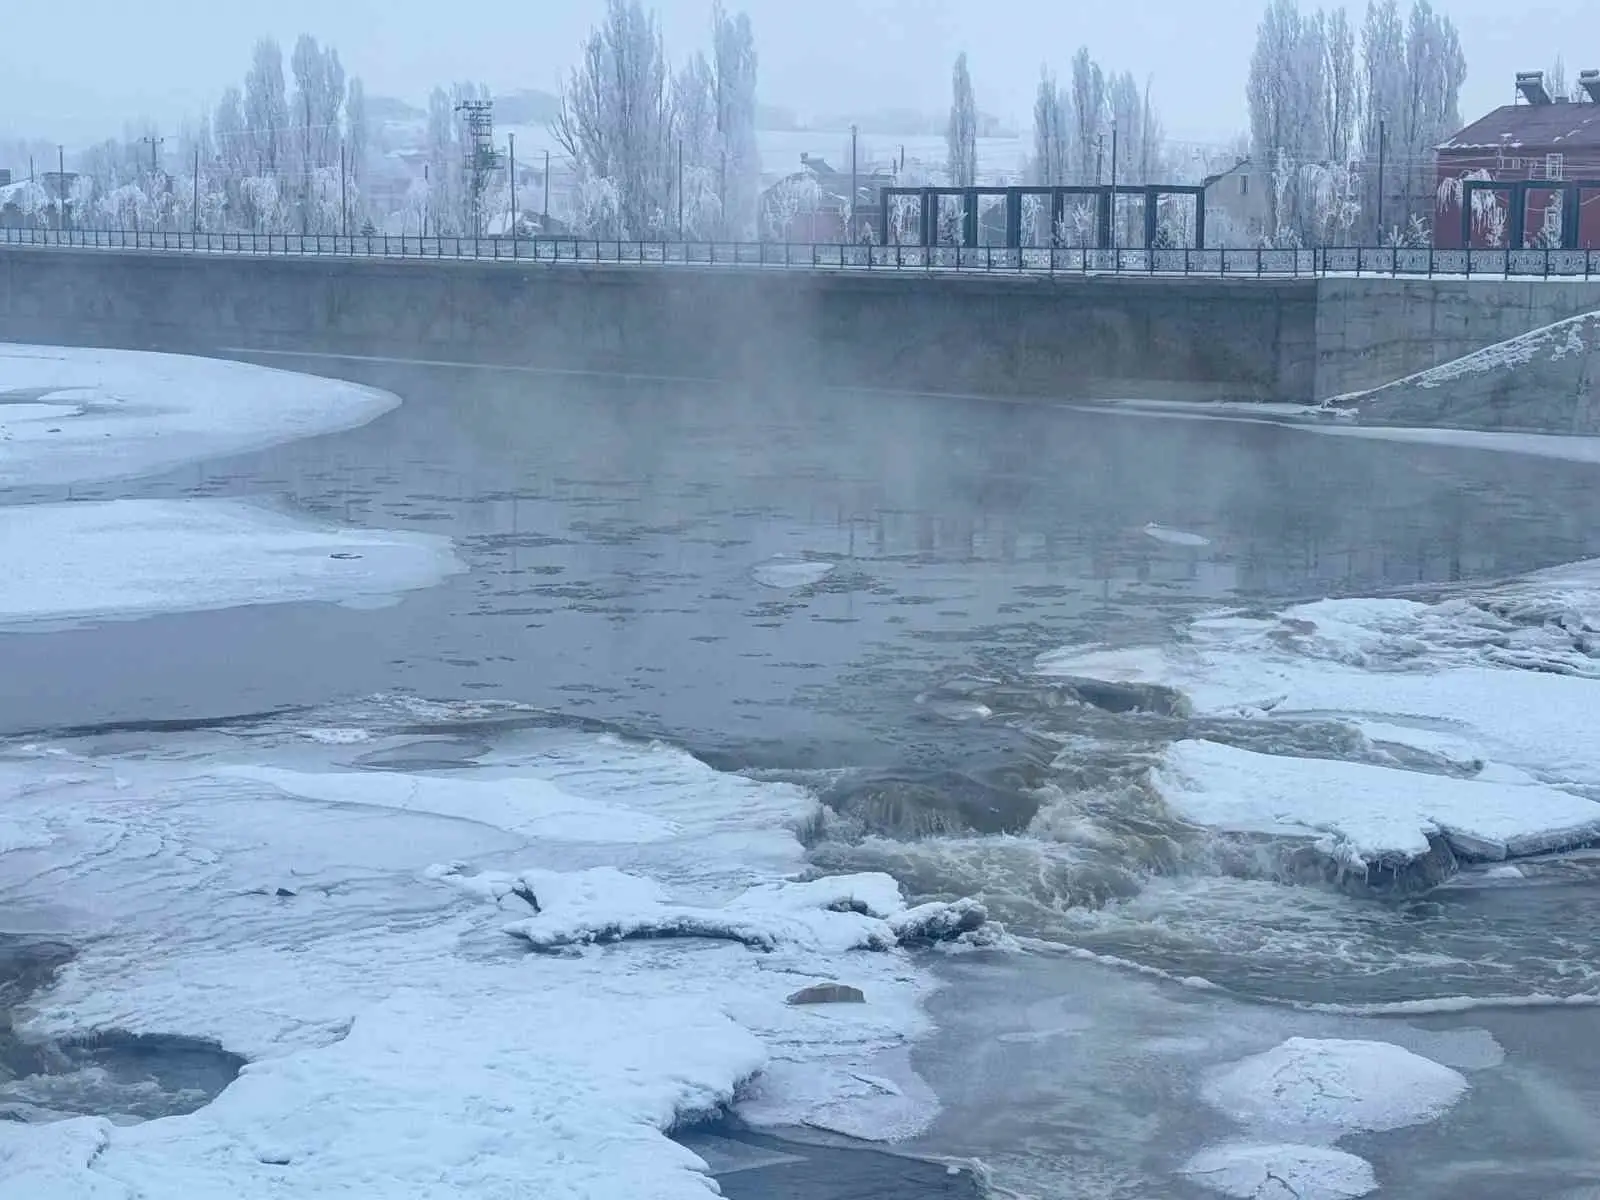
[1044, 260]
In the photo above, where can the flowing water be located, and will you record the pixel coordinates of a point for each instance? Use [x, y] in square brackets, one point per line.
[849, 591]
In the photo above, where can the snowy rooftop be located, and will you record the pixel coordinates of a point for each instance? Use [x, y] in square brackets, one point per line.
[1536, 128]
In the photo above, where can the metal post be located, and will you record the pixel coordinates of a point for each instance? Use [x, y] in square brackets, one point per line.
[680, 189]
[194, 206]
[1383, 137]
[850, 233]
[61, 185]
[344, 195]
[546, 218]
[1113, 184]
[427, 195]
[512, 138]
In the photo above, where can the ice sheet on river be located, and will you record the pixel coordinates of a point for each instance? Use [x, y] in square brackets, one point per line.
[1368, 814]
[1497, 687]
[133, 558]
[71, 415]
[401, 1044]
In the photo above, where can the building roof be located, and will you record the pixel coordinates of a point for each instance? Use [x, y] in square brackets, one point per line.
[1537, 127]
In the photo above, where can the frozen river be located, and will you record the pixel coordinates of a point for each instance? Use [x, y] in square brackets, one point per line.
[340, 685]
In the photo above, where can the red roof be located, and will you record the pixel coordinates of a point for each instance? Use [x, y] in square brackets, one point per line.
[1536, 127]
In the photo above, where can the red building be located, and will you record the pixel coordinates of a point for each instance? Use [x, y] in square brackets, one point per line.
[1527, 174]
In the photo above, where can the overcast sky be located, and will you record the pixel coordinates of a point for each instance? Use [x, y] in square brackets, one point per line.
[77, 72]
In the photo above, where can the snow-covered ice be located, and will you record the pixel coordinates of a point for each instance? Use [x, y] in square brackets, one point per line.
[1497, 683]
[347, 932]
[1319, 1089]
[1365, 813]
[132, 558]
[786, 573]
[72, 415]
[1281, 1171]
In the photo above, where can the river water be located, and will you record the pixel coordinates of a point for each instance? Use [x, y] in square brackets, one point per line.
[849, 591]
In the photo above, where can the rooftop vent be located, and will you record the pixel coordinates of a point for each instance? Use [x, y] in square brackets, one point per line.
[1589, 81]
[1531, 85]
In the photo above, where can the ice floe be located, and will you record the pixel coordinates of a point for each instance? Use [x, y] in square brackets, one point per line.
[400, 1045]
[1315, 1089]
[71, 415]
[1281, 1171]
[1369, 814]
[1498, 684]
[1175, 537]
[131, 558]
[787, 573]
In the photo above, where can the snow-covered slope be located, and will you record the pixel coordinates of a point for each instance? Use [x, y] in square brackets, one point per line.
[1545, 381]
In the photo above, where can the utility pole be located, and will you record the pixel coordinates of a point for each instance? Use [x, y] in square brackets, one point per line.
[850, 233]
[344, 195]
[61, 186]
[680, 189]
[426, 192]
[1383, 137]
[194, 205]
[545, 219]
[512, 139]
[1099, 158]
[155, 166]
[722, 190]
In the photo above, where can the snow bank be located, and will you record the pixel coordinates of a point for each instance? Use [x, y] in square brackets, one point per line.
[400, 1047]
[75, 416]
[1281, 1172]
[131, 558]
[1540, 381]
[1326, 1088]
[1367, 814]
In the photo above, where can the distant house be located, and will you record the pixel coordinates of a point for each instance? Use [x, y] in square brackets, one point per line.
[1237, 205]
[812, 204]
[1546, 151]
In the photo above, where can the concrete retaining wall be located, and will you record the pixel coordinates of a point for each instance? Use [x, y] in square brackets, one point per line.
[1019, 335]
[1371, 332]
[1067, 337]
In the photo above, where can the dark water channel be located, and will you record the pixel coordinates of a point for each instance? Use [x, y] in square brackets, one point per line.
[614, 532]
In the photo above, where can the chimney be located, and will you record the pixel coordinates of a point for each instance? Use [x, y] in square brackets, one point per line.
[1589, 81]
[1531, 85]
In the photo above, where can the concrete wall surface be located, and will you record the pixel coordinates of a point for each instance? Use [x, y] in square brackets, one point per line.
[1066, 337]
[1374, 331]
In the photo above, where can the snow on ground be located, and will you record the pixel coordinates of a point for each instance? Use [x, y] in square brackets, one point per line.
[1566, 447]
[1281, 1172]
[78, 415]
[362, 938]
[132, 558]
[1365, 814]
[1322, 1089]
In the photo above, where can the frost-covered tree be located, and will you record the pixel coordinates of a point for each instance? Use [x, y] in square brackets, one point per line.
[616, 125]
[1342, 91]
[1091, 114]
[266, 107]
[734, 64]
[1050, 132]
[961, 137]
